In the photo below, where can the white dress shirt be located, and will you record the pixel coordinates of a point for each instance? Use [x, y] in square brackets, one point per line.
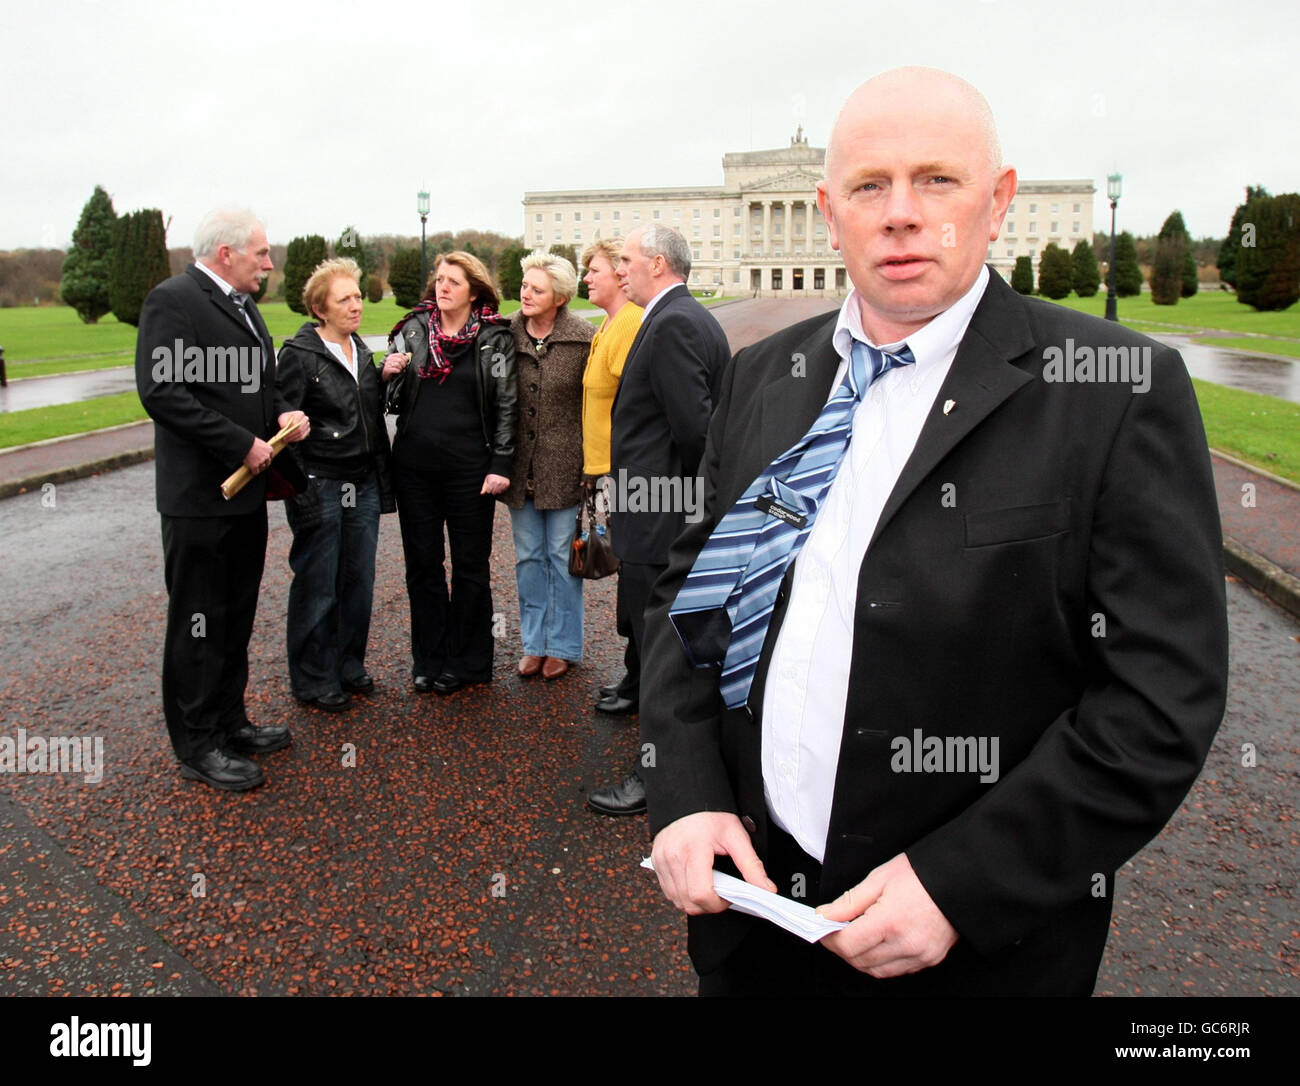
[336, 349]
[655, 300]
[808, 679]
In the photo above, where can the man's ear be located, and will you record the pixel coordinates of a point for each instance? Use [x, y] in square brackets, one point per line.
[824, 202]
[1004, 191]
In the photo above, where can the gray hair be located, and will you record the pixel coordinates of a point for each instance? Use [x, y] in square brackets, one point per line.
[564, 280]
[233, 226]
[660, 240]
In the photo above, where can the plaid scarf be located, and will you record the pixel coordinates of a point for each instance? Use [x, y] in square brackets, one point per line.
[437, 365]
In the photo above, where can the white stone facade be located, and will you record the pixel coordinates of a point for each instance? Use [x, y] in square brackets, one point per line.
[760, 232]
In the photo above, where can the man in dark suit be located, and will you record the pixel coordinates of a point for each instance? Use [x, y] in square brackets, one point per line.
[657, 430]
[1000, 658]
[205, 371]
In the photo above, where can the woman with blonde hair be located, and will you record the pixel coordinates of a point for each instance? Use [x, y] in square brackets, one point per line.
[546, 484]
[328, 372]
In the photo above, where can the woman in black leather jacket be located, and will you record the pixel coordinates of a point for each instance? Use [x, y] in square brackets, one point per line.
[452, 382]
[328, 372]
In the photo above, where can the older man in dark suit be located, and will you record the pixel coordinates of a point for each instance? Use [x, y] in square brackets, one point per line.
[657, 430]
[1000, 658]
[205, 370]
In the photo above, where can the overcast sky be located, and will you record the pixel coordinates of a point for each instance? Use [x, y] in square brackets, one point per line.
[325, 114]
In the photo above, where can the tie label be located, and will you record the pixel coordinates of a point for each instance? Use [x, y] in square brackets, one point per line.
[773, 508]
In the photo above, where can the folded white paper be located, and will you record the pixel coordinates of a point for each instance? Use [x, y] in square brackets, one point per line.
[795, 917]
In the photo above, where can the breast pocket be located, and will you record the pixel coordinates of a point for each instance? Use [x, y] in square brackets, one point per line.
[1016, 525]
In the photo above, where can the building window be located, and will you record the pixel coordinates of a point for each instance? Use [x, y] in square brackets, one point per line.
[1076, 227]
[776, 278]
[1011, 250]
[695, 254]
[617, 215]
[539, 217]
[717, 212]
[695, 233]
[656, 213]
[1012, 209]
[1033, 229]
[559, 235]
[1056, 228]
[1056, 209]
[695, 213]
[577, 216]
[717, 277]
[577, 235]
[677, 213]
[839, 278]
[596, 215]
[735, 254]
[735, 275]
[695, 277]
[1076, 209]
[558, 217]
[1033, 209]
[990, 255]
[819, 278]
[1011, 230]
[538, 237]
[735, 229]
[717, 231]
[636, 216]
[735, 212]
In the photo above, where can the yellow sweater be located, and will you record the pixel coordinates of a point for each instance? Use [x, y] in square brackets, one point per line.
[600, 381]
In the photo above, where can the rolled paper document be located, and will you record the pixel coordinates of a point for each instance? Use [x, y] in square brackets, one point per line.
[240, 478]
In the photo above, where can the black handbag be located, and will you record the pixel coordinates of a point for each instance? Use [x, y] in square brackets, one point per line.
[591, 555]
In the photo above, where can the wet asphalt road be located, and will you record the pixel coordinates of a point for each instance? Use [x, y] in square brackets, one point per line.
[456, 855]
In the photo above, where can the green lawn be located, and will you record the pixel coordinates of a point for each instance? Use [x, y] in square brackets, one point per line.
[1288, 348]
[1261, 430]
[39, 423]
[1207, 310]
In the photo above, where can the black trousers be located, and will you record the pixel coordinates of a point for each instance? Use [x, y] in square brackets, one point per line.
[634, 584]
[213, 570]
[450, 631]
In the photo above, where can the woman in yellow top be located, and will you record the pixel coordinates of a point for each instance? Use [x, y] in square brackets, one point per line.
[609, 351]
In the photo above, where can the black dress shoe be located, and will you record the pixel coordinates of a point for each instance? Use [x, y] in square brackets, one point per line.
[448, 682]
[251, 739]
[423, 684]
[627, 798]
[617, 705]
[330, 703]
[363, 685]
[617, 688]
[223, 770]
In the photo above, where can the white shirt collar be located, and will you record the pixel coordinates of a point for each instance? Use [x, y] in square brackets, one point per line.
[226, 288]
[655, 300]
[930, 343]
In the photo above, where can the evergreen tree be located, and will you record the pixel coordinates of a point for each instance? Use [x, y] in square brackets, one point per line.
[300, 261]
[374, 288]
[86, 271]
[510, 276]
[1128, 276]
[1231, 247]
[139, 262]
[404, 277]
[1085, 275]
[1268, 272]
[1022, 278]
[349, 245]
[1055, 270]
[1172, 246]
[1191, 280]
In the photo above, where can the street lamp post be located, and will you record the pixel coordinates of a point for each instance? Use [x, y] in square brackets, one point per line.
[1114, 185]
[423, 208]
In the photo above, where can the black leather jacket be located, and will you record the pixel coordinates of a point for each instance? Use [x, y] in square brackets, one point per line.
[498, 390]
[349, 437]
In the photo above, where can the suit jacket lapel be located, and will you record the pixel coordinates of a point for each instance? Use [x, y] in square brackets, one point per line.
[632, 359]
[980, 379]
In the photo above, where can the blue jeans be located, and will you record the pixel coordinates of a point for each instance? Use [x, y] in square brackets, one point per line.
[333, 567]
[550, 601]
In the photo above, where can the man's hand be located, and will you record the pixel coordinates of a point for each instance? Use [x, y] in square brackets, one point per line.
[258, 458]
[683, 857]
[495, 484]
[898, 929]
[303, 425]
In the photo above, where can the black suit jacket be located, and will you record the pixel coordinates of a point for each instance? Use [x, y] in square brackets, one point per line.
[204, 425]
[660, 418]
[978, 616]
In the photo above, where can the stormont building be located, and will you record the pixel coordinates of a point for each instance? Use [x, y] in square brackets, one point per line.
[760, 233]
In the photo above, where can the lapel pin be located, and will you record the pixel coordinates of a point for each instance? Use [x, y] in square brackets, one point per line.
[948, 405]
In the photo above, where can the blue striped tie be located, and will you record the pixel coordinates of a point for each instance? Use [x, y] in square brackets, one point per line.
[725, 605]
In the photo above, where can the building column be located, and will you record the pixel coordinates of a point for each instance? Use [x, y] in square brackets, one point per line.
[789, 227]
[767, 227]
